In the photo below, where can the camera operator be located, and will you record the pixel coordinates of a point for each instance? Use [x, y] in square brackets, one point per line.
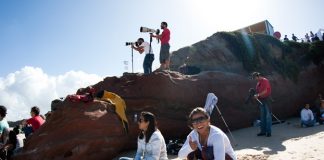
[142, 46]
[263, 92]
[165, 46]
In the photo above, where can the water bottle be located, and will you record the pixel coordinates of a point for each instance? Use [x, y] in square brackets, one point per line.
[135, 117]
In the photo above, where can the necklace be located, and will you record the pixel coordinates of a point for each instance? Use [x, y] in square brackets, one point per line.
[203, 139]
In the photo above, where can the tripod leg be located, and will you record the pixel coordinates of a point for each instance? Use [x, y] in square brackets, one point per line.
[276, 118]
[229, 131]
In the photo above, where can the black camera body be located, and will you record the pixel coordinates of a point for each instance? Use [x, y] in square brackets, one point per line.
[249, 98]
[131, 43]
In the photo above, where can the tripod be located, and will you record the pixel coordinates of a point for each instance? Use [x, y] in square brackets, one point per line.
[132, 59]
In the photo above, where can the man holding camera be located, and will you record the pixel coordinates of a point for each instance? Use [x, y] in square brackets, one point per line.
[263, 92]
[165, 46]
[142, 46]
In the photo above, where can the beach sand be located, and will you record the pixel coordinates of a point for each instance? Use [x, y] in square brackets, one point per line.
[288, 142]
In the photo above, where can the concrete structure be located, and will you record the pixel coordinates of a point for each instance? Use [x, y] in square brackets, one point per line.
[261, 27]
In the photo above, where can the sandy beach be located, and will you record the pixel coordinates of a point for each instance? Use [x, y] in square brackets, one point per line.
[288, 142]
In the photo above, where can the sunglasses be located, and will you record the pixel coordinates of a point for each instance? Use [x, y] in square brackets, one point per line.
[140, 120]
[198, 120]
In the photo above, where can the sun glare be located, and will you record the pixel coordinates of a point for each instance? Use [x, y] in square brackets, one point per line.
[226, 15]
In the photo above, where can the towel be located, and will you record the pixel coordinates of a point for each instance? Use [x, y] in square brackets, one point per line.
[120, 106]
[211, 102]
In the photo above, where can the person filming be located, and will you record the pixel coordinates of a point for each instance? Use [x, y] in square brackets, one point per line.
[165, 46]
[141, 47]
[263, 92]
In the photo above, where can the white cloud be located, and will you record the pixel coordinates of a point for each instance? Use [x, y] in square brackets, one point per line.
[30, 86]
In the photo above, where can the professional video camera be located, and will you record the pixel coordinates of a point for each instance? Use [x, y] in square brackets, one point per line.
[131, 43]
[145, 29]
[248, 99]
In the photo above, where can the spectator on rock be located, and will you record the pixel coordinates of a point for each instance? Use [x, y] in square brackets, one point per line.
[32, 124]
[316, 38]
[307, 117]
[311, 35]
[205, 141]
[286, 38]
[307, 38]
[294, 38]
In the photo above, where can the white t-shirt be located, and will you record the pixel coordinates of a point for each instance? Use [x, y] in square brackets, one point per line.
[146, 46]
[217, 138]
[306, 114]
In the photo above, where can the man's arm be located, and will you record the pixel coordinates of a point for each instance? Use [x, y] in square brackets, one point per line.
[140, 49]
[157, 36]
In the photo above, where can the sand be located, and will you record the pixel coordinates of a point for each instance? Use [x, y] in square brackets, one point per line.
[288, 142]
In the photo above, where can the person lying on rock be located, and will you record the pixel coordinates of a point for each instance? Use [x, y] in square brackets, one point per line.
[32, 124]
[205, 141]
[150, 142]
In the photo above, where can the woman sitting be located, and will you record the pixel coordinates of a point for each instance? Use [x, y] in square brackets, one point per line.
[150, 142]
[205, 141]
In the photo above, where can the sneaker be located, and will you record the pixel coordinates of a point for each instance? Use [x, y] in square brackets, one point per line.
[261, 134]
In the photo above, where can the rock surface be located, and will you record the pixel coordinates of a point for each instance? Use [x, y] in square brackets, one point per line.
[92, 130]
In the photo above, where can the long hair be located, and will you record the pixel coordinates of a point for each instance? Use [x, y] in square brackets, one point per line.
[148, 117]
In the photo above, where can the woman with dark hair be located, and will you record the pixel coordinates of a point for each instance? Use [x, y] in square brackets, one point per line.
[205, 141]
[150, 142]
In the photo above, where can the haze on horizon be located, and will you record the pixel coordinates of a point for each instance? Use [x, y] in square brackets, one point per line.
[51, 48]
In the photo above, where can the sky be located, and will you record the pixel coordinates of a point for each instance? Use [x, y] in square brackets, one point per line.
[51, 48]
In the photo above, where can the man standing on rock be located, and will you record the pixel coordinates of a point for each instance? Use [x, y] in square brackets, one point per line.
[143, 46]
[165, 46]
[263, 92]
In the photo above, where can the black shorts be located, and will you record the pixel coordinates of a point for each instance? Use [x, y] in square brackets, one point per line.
[164, 53]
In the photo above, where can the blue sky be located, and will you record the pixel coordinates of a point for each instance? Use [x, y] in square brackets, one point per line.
[85, 39]
[59, 35]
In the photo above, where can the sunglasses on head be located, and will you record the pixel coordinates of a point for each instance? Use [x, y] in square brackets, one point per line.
[198, 120]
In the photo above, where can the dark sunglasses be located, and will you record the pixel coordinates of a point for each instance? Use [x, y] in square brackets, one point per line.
[198, 120]
[140, 120]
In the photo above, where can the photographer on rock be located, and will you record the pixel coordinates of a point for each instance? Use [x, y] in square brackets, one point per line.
[165, 46]
[263, 92]
[142, 46]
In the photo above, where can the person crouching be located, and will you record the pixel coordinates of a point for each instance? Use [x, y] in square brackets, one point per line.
[205, 141]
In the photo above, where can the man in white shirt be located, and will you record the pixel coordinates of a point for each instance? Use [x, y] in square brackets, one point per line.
[142, 46]
[307, 117]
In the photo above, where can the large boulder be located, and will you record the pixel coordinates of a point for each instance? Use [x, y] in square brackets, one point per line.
[92, 130]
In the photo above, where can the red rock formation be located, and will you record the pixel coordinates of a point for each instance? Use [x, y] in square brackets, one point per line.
[93, 131]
